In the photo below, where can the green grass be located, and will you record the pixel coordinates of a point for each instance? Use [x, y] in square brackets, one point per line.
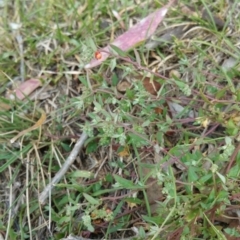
[145, 170]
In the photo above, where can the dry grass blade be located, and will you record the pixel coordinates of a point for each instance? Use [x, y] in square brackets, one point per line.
[38, 124]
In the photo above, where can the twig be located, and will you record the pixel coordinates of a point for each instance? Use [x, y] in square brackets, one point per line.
[45, 193]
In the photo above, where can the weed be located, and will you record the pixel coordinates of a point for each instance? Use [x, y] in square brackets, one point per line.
[161, 160]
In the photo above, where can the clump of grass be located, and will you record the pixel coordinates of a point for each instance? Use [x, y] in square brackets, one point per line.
[154, 166]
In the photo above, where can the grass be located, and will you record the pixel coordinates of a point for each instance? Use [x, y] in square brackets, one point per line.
[155, 166]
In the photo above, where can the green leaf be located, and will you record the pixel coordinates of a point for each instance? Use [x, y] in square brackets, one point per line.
[109, 178]
[205, 178]
[192, 176]
[77, 187]
[64, 219]
[101, 192]
[130, 94]
[221, 93]
[156, 219]
[238, 95]
[81, 174]
[83, 80]
[124, 182]
[141, 233]
[91, 199]
[65, 147]
[92, 146]
[97, 107]
[137, 140]
[91, 44]
[14, 157]
[118, 51]
[115, 79]
[232, 129]
[192, 214]
[133, 200]
[232, 232]
[222, 178]
[180, 84]
[234, 172]
[223, 196]
[217, 232]
[113, 64]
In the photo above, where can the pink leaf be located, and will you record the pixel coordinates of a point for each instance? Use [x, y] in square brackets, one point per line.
[26, 88]
[135, 35]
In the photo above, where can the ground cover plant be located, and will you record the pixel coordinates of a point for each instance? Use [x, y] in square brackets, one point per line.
[149, 128]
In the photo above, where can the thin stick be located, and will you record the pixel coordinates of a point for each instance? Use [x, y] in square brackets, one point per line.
[45, 193]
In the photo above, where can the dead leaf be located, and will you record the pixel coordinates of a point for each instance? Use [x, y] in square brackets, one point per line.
[174, 73]
[25, 88]
[151, 86]
[38, 124]
[131, 205]
[176, 109]
[158, 110]
[205, 123]
[229, 63]
[4, 106]
[124, 152]
[22, 90]
[234, 116]
[123, 86]
[135, 35]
